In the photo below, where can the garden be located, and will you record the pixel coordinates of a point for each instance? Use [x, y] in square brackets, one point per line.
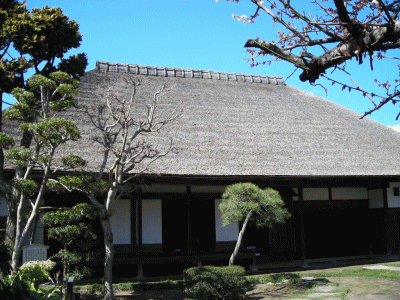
[368, 281]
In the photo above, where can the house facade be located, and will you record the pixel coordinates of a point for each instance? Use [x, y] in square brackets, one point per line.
[338, 174]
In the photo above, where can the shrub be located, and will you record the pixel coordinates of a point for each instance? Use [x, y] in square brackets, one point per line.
[14, 289]
[36, 272]
[215, 283]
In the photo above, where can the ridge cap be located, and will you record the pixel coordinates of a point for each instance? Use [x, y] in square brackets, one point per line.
[186, 73]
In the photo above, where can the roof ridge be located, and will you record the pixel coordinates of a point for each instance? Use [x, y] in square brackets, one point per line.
[185, 73]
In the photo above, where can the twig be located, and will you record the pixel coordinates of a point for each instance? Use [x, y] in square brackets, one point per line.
[364, 92]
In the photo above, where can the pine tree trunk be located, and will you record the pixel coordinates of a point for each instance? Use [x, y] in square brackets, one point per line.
[109, 257]
[24, 228]
[21, 240]
[13, 202]
[240, 238]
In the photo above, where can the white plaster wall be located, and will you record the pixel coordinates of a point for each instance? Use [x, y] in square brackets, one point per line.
[164, 188]
[227, 233]
[375, 198]
[349, 193]
[208, 189]
[151, 222]
[121, 222]
[393, 201]
[315, 194]
[3, 208]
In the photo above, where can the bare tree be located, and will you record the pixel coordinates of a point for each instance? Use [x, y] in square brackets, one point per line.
[126, 156]
[329, 34]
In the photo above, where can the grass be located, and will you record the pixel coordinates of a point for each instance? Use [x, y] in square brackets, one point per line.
[133, 286]
[386, 274]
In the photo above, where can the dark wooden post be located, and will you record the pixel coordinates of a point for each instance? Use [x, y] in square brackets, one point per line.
[70, 289]
[132, 197]
[302, 231]
[189, 221]
[140, 232]
[387, 225]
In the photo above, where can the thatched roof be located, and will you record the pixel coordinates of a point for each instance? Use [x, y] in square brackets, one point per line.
[235, 125]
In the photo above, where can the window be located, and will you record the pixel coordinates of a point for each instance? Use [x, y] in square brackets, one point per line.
[396, 191]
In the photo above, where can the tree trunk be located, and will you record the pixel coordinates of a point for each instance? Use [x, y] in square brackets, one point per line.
[23, 230]
[240, 238]
[13, 201]
[109, 257]
[21, 240]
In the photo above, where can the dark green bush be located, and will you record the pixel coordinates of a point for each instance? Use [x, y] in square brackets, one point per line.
[215, 283]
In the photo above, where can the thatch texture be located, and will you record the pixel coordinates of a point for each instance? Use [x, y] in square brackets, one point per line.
[243, 125]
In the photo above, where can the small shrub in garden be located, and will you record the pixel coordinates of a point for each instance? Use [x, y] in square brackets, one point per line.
[215, 283]
[36, 272]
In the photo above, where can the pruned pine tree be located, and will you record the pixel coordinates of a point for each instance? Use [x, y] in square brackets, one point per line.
[243, 201]
[319, 38]
[71, 227]
[127, 155]
[41, 39]
[46, 95]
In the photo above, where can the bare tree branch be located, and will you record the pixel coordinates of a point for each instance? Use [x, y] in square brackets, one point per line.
[349, 29]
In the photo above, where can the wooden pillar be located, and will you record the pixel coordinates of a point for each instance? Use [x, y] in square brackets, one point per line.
[139, 232]
[386, 217]
[189, 221]
[302, 231]
[132, 197]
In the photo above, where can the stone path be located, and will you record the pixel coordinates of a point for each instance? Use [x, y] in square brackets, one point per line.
[382, 267]
[326, 292]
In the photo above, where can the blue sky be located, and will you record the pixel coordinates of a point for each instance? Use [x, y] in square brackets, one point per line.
[196, 34]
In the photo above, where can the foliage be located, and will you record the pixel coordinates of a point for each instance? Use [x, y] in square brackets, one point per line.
[19, 286]
[241, 198]
[84, 182]
[14, 289]
[246, 200]
[73, 161]
[36, 272]
[51, 131]
[80, 273]
[50, 94]
[20, 156]
[71, 228]
[40, 37]
[318, 37]
[27, 187]
[43, 34]
[215, 283]
[6, 140]
[53, 93]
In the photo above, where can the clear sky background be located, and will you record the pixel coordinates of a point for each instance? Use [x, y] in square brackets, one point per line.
[197, 34]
